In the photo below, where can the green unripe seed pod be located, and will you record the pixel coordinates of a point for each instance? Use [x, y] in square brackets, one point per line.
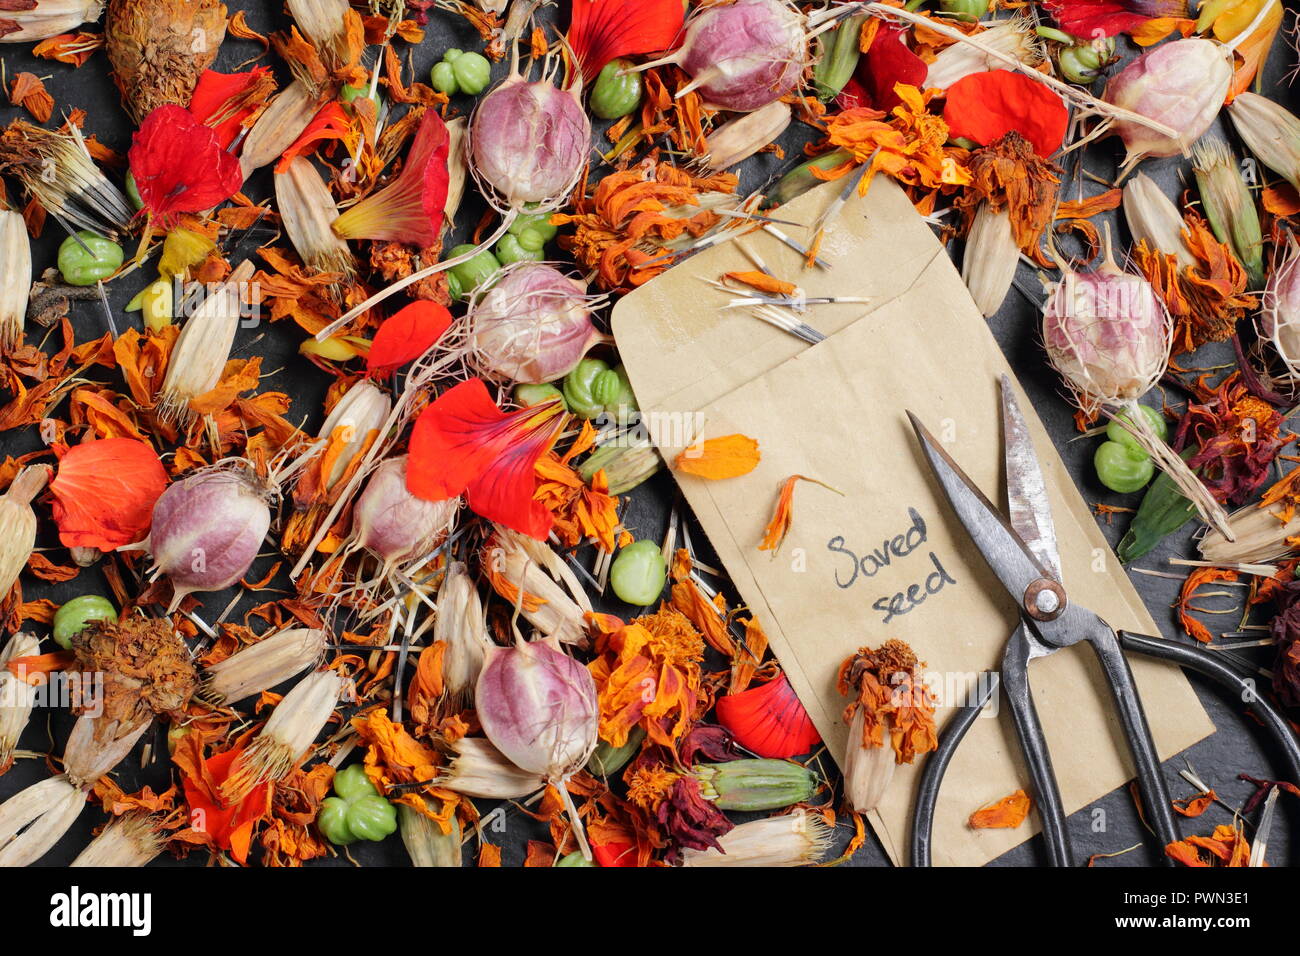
[639, 573]
[1122, 468]
[529, 395]
[473, 73]
[531, 239]
[78, 614]
[133, 192]
[607, 759]
[356, 811]
[965, 9]
[574, 859]
[452, 55]
[755, 784]
[443, 78]
[510, 250]
[80, 267]
[538, 222]
[473, 272]
[1118, 433]
[614, 96]
[578, 385]
[454, 291]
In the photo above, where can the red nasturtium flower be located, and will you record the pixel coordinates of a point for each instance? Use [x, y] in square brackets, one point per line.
[179, 165]
[330, 122]
[219, 826]
[603, 30]
[889, 62]
[224, 100]
[986, 106]
[463, 444]
[769, 720]
[104, 493]
[405, 336]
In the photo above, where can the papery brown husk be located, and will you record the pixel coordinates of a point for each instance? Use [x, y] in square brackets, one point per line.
[151, 45]
[146, 668]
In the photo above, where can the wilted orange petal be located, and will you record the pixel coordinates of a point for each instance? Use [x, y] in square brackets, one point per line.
[728, 457]
[1007, 814]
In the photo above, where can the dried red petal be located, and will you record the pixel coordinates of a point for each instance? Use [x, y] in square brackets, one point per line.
[986, 106]
[105, 491]
[888, 63]
[406, 336]
[179, 164]
[769, 720]
[463, 443]
[603, 30]
[329, 123]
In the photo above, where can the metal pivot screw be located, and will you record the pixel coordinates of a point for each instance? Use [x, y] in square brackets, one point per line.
[1044, 600]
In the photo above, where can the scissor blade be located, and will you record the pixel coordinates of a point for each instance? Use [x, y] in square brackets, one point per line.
[1027, 505]
[1008, 556]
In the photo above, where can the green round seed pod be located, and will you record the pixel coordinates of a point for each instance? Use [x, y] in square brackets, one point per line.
[443, 78]
[80, 267]
[332, 821]
[452, 55]
[1082, 62]
[578, 385]
[605, 388]
[574, 859]
[510, 250]
[1122, 469]
[639, 573]
[1118, 433]
[531, 239]
[538, 222]
[351, 783]
[78, 614]
[613, 96]
[349, 93]
[371, 818]
[529, 395]
[473, 272]
[473, 73]
[454, 291]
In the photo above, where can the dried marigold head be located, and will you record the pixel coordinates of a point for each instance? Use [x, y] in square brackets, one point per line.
[146, 666]
[160, 48]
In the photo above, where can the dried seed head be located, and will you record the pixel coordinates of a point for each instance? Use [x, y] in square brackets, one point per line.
[1012, 37]
[528, 574]
[867, 770]
[478, 769]
[18, 522]
[626, 464]
[202, 349]
[354, 421]
[17, 697]
[1228, 204]
[461, 626]
[132, 839]
[796, 839]
[146, 668]
[1262, 537]
[424, 840]
[287, 735]
[457, 167]
[159, 48]
[989, 261]
[56, 169]
[266, 664]
[1270, 131]
[307, 209]
[1153, 217]
[47, 18]
[282, 122]
[740, 138]
[16, 268]
[324, 23]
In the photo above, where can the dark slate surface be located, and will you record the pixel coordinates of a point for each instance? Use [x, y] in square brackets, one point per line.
[1239, 745]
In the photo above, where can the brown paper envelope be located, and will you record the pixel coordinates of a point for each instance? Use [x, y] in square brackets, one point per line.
[835, 412]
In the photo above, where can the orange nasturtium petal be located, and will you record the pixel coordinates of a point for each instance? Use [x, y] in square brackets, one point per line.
[1196, 805]
[763, 282]
[1008, 813]
[104, 493]
[779, 526]
[728, 457]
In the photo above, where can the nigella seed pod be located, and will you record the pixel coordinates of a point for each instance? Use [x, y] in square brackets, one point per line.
[1181, 84]
[528, 142]
[744, 55]
[538, 706]
[1279, 314]
[532, 326]
[395, 525]
[207, 528]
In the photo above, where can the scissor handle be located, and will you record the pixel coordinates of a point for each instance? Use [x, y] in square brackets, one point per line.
[1221, 673]
[937, 764]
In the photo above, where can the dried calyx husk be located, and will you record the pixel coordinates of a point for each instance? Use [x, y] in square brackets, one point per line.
[1261, 535]
[324, 23]
[307, 209]
[1108, 334]
[742, 137]
[285, 117]
[18, 522]
[890, 717]
[425, 842]
[207, 527]
[478, 769]
[532, 325]
[538, 706]
[16, 268]
[1153, 217]
[133, 839]
[1012, 37]
[266, 664]
[25, 22]
[794, 839]
[538, 582]
[461, 626]
[989, 262]
[17, 697]
[57, 170]
[200, 354]
[286, 737]
[353, 425]
[159, 48]
[1228, 204]
[1270, 131]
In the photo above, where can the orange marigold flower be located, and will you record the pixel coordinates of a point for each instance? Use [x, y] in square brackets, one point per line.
[885, 684]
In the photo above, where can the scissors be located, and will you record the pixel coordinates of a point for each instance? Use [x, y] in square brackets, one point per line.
[1020, 548]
